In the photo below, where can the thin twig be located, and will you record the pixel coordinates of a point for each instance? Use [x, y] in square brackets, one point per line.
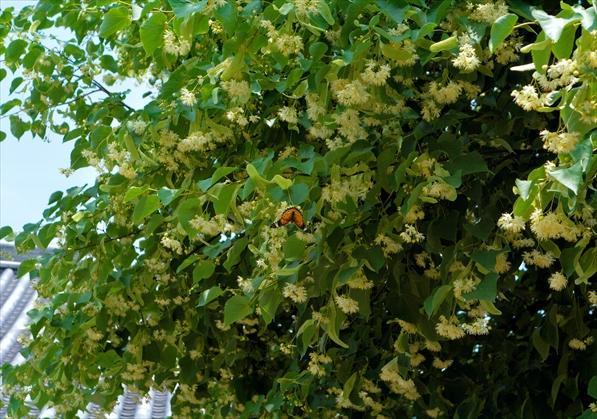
[107, 241]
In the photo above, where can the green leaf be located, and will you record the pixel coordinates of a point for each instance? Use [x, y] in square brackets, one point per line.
[435, 300]
[583, 152]
[208, 296]
[541, 52]
[394, 9]
[294, 248]
[269, 300]
[501, 29]
[468, 163]
[131, 147]
[286, 8]
[237, 308]
[17, 126]
[186, 211]
[396, 52]
[259, 180]
[551, 25]
[224, 197]
[185, 8]
[220, 172]
[587, 266]
[485, 258]
[109, 359]
[167, 195]
[349, 384]
[570, 177]
[317, 50]
[325, 12]
[235, 252]
[152, 32]
[307, 332]
[134, 192]
[489, 307]
[524, 188]
[7, 106]
[115, 20]
[25, 267]
[203, 269]
[16, 82]
[563, 48]
[445, 44]
[486, 290]
[568, 258]
[147, 205]
[540, 345]
[589, 17]
[550, 247]
[299, 192]
[5, 231]
[401, 344]
[555, 387]
[15, 49]
[46, 234]
[226, 15]
[187, 262]
[282, 182]
[332, 327]
[592, 387]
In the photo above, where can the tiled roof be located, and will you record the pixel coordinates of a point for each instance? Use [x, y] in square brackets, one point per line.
[16, 299]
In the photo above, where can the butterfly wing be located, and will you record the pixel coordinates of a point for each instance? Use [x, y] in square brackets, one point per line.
[286, 217]
[297, 218]
[291, 215]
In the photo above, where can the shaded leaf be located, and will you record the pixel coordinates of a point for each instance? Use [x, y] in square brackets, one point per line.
[208, 296]
[203, 269]
[147, 205]
[435, 300]
[570, 177]
[237, 308]
[152, 32]
[114, 21]
[500, 30]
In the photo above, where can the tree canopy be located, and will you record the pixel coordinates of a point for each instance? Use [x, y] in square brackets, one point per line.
[442, 157]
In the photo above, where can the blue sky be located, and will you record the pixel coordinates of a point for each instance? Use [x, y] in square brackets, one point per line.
[29, 168]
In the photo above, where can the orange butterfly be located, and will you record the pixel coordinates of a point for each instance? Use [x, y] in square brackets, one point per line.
[291, 215]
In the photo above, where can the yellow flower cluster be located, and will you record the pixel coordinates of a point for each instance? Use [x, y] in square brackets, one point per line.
[411, 234]
[296, 293]
[388, 245]
[467, 59]
[360, 281]
[175, 46]
[375, 73]
[557, 281]
[449, 328]
[528, 98]
[347, 304]
[580, 345]
[316, 363]
[238, 91]
[536, 258]
[512, 224]
[407, 388]
[554, 225]
[488, 11]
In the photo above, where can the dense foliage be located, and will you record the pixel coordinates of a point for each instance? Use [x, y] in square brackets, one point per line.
[440, 152]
